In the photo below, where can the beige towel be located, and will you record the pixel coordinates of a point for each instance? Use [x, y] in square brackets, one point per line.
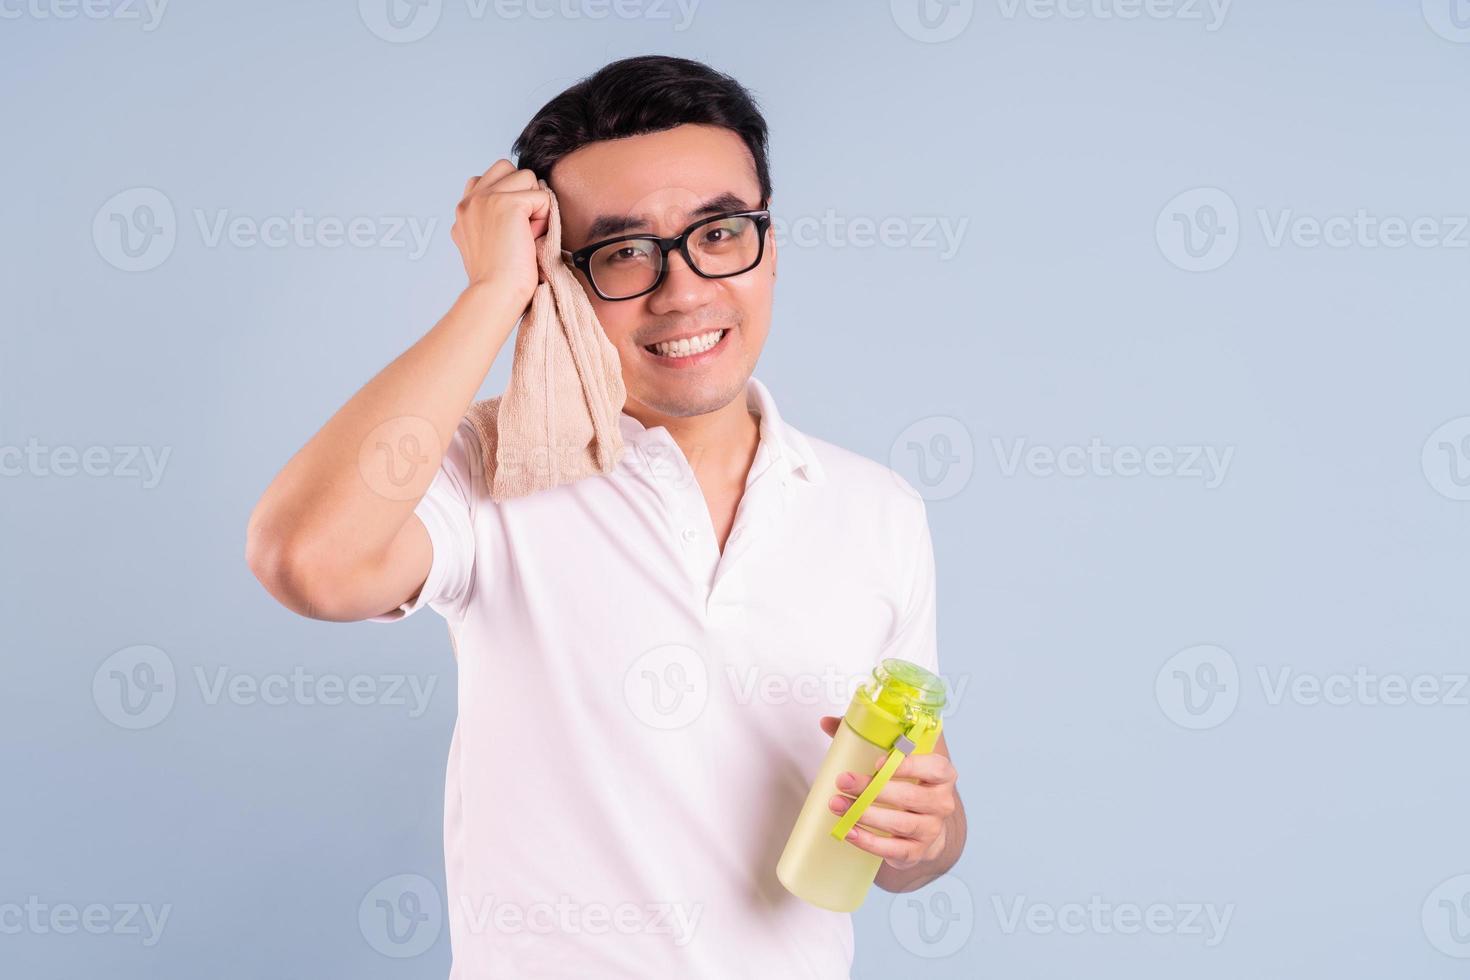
[557, 421]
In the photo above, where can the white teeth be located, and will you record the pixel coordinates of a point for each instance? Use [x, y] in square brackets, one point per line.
[689, 345]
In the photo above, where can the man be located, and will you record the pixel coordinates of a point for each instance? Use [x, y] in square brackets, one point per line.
[651, 661]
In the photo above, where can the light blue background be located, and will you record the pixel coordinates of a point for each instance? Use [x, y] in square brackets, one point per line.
[1326, 547]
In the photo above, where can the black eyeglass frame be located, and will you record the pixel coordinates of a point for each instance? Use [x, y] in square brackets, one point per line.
[582, 257]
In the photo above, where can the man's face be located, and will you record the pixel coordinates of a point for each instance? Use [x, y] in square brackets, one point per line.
[654, 184]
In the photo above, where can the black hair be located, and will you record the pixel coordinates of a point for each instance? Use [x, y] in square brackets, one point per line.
[644, 94]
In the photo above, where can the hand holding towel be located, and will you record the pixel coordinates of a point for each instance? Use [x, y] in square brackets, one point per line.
[557, 421]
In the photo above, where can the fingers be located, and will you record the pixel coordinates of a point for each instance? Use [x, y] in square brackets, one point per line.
[926, 767]
[891, 821]
[935, 799]
[502, 176]
[901, 852]
[829, 723]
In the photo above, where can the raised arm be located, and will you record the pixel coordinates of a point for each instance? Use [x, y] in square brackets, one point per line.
[334, 536]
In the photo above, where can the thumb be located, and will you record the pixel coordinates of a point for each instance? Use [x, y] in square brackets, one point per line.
[829, 724]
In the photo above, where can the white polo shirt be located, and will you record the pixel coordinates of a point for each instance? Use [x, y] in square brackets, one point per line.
[638, 713]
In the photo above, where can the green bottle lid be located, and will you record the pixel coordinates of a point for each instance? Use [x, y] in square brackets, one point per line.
[898, 695]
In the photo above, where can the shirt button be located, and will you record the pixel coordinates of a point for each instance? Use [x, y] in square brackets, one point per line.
[689, 534]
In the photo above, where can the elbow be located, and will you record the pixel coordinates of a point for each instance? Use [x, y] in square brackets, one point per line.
[295, 572]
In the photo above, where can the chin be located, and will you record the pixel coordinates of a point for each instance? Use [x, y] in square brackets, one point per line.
[678, 399]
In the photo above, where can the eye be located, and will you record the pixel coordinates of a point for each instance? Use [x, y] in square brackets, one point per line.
[633, 252]
[722, 232]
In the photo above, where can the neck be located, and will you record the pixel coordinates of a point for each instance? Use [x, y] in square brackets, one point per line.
[719, 445]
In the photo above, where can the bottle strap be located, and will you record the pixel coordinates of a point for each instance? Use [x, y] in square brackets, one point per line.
[902, 746]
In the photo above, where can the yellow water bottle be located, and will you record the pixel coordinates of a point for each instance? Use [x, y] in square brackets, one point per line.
[897, 711]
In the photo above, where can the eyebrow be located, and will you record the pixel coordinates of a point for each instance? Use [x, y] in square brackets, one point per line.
[606, 225]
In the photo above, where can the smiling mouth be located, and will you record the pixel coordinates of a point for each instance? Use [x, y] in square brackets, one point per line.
[688, 347]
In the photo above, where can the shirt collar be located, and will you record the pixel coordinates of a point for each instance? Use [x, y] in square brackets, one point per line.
[785, 445]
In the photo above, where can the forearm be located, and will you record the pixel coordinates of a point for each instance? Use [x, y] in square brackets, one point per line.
[911, 879]
[350, 489]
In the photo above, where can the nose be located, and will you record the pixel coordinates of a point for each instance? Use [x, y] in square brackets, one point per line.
[683, 289]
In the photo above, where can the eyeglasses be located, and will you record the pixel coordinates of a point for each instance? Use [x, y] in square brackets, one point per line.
[716, 247]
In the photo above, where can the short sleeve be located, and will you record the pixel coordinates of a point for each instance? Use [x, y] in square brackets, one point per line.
[916, 637]
[447, 511]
